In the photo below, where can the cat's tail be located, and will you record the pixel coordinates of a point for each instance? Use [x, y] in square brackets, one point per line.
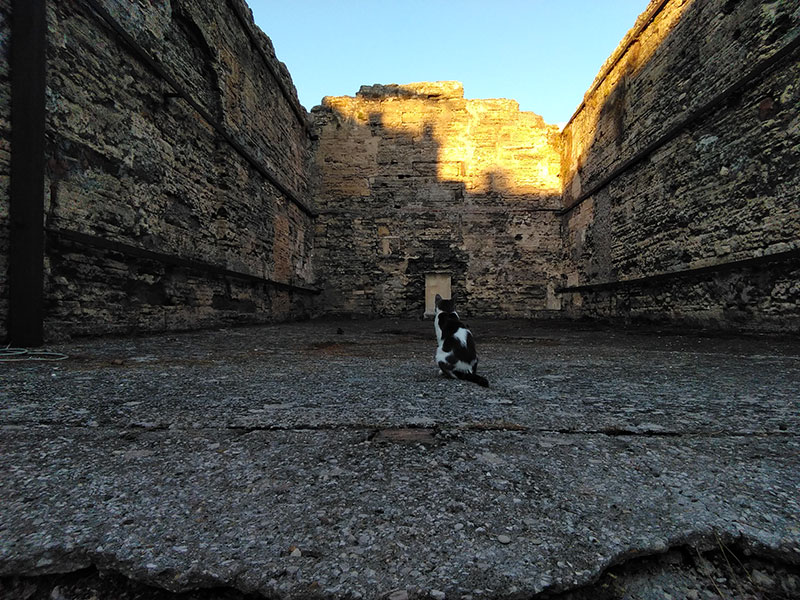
[473, 377]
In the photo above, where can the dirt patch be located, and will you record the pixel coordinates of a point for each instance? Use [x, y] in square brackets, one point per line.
[373, 347]
[406, 435]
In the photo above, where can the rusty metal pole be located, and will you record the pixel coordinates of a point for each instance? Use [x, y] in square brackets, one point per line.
[27, 64]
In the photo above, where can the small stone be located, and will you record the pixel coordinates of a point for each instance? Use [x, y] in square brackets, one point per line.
[761, 579]
[296, 552]
[437, 594]
[724, 171]
[56, 594]
[503, 539]
[398, 595]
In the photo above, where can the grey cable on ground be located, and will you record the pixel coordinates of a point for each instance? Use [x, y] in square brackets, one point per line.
[9, 354]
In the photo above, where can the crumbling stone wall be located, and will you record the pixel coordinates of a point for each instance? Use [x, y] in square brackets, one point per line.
[415, 180]
[182, 186]
[679, 169]
[177, 191]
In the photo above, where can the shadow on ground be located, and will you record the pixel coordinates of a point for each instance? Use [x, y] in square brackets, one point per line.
[328, 459]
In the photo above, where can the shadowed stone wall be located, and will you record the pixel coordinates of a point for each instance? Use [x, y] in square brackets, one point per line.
[177, 188]
[416, 179]
[679, 170]
[677, 195]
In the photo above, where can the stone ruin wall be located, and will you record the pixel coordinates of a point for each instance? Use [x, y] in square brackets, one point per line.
[171, 208]
[680, 171]
[679, 195]
[417, 180]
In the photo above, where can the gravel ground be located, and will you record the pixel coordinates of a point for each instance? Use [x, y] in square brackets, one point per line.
[328, 459]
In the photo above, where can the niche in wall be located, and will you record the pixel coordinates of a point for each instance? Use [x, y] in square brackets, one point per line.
[435, 283]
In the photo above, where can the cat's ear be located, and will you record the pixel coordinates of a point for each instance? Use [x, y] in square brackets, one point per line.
[438, 298]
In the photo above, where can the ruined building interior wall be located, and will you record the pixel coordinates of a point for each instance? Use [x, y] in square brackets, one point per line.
[132, 167]
[416, 180]
[683, 158]
[670, 195]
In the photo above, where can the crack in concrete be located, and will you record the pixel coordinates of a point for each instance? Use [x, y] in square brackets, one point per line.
[694, 560]
[621, 432]
[437, 428]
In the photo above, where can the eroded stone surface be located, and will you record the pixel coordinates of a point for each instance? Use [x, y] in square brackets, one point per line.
[133, 166]
[715, 192]
[415, 179]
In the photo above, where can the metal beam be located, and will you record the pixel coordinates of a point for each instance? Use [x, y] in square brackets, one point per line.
[26, 203]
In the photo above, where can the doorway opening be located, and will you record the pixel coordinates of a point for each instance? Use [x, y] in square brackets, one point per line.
[435, 283]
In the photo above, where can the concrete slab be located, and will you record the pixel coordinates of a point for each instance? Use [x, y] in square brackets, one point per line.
[328, 459]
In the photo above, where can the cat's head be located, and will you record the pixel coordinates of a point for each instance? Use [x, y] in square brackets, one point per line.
[442, 305]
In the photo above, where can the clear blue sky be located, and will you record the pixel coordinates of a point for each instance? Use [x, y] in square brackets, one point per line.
[542, 53]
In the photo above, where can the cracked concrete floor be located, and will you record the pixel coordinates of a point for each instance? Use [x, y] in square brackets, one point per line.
[295, 461]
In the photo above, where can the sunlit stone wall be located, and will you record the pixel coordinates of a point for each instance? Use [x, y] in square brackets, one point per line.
[156, 221]
[671, 195]
[415, 179]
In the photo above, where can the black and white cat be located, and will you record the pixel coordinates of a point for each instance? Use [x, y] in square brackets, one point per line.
[455, 353]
